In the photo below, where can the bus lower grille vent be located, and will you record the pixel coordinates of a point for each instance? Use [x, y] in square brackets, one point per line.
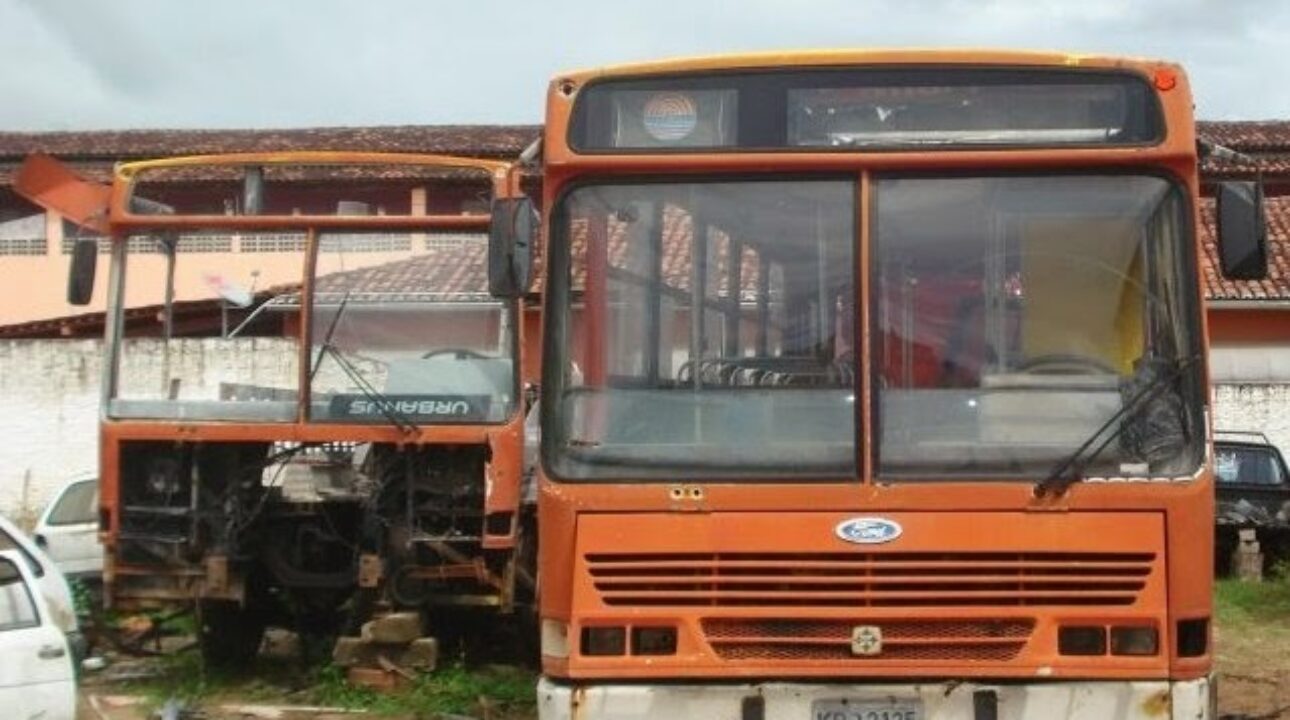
[917, 579]
[912, 640]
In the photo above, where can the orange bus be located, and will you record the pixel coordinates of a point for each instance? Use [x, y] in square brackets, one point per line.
[874, 389]
[354, 440]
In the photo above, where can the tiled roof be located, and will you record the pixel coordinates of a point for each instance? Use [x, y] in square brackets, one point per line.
[1277, 285]
[676, 264]
[92, 153]
[1248, 135]
[449, 270]
[1267, 141]
[475, 140]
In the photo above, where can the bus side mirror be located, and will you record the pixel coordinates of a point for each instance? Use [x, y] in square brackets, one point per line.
[510, 247]
[80, 276]
[1242, 231]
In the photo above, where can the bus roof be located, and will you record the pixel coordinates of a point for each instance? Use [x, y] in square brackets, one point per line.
[873, 56]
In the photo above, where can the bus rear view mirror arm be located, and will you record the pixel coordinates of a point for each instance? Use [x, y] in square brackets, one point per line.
[1242, 230]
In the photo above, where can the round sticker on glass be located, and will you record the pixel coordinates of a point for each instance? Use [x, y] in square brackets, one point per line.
[670, 116]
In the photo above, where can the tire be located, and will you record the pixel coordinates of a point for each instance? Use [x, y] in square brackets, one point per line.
[230, 633]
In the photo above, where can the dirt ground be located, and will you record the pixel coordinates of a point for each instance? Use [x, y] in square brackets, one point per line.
[1254, 667]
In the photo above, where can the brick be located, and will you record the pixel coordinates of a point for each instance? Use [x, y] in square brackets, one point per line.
[395, 628]
[375, 679]
[421, 655]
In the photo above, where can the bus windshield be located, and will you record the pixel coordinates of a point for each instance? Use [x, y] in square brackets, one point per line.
[417, 340]
[714, 326]
[402, 329]
[1016, 316]
[710, 328]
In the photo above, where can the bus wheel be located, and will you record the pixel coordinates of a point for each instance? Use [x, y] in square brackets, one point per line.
[230, 633]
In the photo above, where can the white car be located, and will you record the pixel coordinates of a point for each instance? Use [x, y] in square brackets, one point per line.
[37, 678]
[68, 530]
[48, 581]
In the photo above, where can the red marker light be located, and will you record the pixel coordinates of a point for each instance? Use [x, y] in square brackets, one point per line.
[1166, 79]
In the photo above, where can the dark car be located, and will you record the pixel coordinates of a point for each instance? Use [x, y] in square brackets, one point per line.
[1253, 483]
[1252, 490]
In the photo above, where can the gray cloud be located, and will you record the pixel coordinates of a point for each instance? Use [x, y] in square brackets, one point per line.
[245, 63]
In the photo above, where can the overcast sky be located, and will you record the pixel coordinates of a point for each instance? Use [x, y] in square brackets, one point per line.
[90, 64]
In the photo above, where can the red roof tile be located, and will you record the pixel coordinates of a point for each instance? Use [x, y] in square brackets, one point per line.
[1247, 135]
[474, 140]
[92, 153]
[449, 270]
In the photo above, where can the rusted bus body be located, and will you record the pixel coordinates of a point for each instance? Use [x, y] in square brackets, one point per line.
[236, 534]
[772, 612]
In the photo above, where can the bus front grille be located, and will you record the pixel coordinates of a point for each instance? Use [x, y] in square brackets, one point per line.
[913, 640]
[894, 579]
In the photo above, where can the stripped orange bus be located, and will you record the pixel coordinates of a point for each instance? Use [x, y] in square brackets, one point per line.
[874, 388]
[355, 442]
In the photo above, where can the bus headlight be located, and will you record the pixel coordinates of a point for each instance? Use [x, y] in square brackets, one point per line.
[653, 641]
[1081, 640]
[1134, 641]
[603, 641]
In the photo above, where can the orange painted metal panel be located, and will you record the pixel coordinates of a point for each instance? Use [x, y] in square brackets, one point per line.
[774, 593]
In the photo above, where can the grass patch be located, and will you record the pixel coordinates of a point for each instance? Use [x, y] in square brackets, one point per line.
[497, 692]
[493, 691]
[1237, 601]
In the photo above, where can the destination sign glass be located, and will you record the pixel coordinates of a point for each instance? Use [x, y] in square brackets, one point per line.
[838, 110]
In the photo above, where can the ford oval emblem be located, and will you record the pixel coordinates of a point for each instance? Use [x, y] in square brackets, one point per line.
[868, 530]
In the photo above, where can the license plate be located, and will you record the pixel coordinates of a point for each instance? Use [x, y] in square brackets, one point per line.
[867, 710]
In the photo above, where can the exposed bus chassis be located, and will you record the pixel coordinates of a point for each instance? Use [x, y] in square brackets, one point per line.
[310, 535]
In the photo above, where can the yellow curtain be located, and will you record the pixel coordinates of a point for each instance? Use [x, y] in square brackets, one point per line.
[1083, 283]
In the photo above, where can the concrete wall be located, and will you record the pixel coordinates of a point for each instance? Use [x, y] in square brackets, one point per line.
[48, 418]
[1251, 377]
[1264, 407]
[49, 400]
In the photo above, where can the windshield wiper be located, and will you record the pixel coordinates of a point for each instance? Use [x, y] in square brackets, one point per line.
[1071, 470]
[376, 397]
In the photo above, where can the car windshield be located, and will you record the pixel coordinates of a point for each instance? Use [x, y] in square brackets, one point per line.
[77, 505]
[1247, 465]
[17, 608]
[713, 326]
[1015, 316]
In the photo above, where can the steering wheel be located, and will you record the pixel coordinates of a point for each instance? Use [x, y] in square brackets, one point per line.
[458, 353]
[1063, 363]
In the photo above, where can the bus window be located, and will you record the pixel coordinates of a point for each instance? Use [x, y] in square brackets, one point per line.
[709, 314]
[1016, 316]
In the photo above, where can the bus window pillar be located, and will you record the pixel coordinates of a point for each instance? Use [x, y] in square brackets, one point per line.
[596, 299]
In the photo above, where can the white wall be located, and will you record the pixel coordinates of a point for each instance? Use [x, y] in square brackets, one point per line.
[1264, 407]
[49, 400]
[48, 417]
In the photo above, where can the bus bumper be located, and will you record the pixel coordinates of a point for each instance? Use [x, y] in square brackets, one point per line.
[1074, 700]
